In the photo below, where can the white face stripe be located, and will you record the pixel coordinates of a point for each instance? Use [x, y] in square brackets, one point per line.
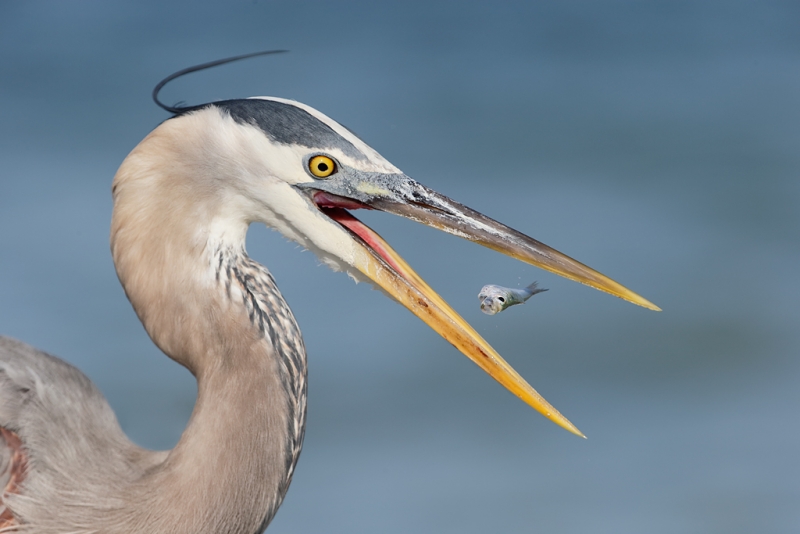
[375, 162]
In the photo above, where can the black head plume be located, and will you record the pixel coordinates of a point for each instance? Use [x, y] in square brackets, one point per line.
[189, 70]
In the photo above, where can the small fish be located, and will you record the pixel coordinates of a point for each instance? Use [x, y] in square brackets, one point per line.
[495, 299]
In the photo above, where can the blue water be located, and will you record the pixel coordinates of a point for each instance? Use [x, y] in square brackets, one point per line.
[657, 142]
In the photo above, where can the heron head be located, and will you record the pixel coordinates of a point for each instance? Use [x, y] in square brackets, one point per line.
[301, 173]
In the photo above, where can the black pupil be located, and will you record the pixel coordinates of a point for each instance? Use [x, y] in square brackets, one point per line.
[501, 299]
[322, 166]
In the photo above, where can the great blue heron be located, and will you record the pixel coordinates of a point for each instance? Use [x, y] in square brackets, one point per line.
[183, 200]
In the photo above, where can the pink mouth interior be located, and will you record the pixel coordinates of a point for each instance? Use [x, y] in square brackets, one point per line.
[336, 208]
[329, 200]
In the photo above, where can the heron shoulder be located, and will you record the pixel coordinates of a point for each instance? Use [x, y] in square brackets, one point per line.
[69, 438]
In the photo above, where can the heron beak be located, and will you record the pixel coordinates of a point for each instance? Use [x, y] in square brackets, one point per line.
[403, 196]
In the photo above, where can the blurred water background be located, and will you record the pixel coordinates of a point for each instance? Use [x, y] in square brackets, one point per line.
[655, 141]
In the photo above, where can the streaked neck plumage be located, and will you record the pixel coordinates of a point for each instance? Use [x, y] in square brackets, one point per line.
[177, 239]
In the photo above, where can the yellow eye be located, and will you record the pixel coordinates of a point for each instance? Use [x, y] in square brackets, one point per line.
[321, 166]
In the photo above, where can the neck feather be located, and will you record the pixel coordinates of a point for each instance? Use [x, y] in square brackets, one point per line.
[207, 305]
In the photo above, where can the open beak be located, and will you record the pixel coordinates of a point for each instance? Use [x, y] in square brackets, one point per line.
[401, 195]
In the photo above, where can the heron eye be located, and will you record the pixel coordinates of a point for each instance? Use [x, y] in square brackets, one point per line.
[321, 166]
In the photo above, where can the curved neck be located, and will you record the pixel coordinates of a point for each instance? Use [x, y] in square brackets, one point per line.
[211, 308]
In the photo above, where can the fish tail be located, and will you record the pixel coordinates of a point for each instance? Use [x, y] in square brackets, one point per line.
[534, 288]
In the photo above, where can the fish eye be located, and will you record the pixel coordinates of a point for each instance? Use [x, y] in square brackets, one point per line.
[321, 166]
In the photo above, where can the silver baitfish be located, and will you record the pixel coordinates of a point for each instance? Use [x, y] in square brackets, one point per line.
[495, 299]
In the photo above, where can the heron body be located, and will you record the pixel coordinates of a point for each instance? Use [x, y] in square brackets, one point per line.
[183, 200]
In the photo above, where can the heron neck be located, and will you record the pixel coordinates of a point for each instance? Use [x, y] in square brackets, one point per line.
[179, 254]
[234, 462]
